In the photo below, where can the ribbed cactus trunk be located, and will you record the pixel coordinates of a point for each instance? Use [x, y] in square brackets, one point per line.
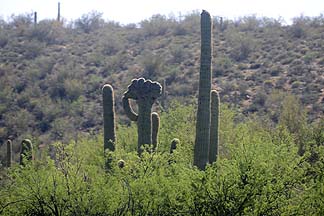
[201, 150]
[26, 151]
[9, 153]
[109, 117]
[144, 123]
[214, 127]
[155, 129]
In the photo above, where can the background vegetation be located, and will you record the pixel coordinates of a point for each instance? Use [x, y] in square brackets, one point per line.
[51, 74]
[258, 173]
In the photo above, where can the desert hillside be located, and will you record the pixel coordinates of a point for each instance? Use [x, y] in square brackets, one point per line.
[52, 72]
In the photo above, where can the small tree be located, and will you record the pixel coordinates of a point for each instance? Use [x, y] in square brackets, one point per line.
[90, 21]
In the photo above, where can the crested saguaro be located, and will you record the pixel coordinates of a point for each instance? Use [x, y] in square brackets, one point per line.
[145, 92]
[202, 142]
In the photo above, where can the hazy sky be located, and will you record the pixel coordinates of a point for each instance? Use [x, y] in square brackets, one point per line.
[133, 11]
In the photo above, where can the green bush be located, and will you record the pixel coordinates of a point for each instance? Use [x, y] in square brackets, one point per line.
[258, 173]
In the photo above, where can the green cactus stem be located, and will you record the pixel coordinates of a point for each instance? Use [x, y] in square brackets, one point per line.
[155, 129]
[59, 12]
[214, 127]
[134, 116]
[9, 152]
[109, 117]
[201, 149]
[163, 97]
[174, 143]
[35, 18]
[26, 151]
[121, 163]
[128, 109]
[145, 92]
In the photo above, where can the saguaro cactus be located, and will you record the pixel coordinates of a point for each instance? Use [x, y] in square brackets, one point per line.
[26, 151]
[155, 129]
[109, 117]
[58, 11]
[35, 18]
[201, 150]
[145, 92]
[9, 153]
[174, 143]
[214, 127]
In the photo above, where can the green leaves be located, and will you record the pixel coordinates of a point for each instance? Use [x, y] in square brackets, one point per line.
[258, 173]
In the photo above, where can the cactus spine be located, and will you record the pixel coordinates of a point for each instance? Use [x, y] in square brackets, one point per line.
[9, 153]
[202, 142]
[214, 127]
[26, 151]
[109, 117]
[155, 129]
[145, 92]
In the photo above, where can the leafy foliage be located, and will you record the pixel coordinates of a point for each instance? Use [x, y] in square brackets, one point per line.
[260, 173]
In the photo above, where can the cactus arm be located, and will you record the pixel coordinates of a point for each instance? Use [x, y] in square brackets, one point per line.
[214, 127]
[129, 110]
[155, 129]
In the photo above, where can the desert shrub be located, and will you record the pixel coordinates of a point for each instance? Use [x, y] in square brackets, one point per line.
[241, 45]
[48, 31]
[89, 22]
[178, 54]
[32, 49]
[223, 64]
[258, 173]
[152, 65]
[4, 38]
[73, 89]
[21, 23]
[156, 25]
[299, 27]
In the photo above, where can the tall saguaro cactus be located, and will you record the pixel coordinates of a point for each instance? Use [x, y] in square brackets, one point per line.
[145, 92]
[109, 117]
[26, 151]
[214, 127]
[201, 150]
[9, 153]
